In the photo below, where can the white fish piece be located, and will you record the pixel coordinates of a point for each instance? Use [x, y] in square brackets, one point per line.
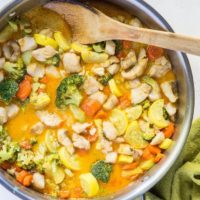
[111, 102]
[158, 138]
[91, 85]
[109, 130]
[44, 53]
[104, 145]
[3, 116]
[160, 68]
[36, 70]
[12, 110]
[80, 127]
[38, 181]
[37, 128]
[80, 142]
[110, 47]
[71, 63]
[129, 61]
[64, 140]
[113, 69]
[49, 119]
[99, 71]
[111, 157]
[140, 93]
[52, 71]
[171, 109]
[27, 43]
[98, 96]
[167, 88]
[137, 71]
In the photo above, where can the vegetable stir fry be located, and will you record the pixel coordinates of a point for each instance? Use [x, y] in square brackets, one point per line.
[81, 120]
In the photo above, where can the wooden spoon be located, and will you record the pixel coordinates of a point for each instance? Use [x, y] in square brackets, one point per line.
[89, 25]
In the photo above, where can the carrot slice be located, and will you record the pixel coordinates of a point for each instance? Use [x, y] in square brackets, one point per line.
[154, 52]
[90, 107]
[169, 130]
[134, 177]
[27, 180]
[125, 101]
[25, 89]
[106, 90]
[158, 157]
[154, 149]
[101, 115]
[130, 166]
[147, 154]
[44, 80]
[28, 78]
[127, 44]
[64, 194]
[21, 175]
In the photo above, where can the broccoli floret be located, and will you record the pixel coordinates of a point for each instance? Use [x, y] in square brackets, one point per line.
[25, 159]
[118, 44]
[105, 79]
[55, 60]
[8, 90]
[101, 170]
[67, 91]
[15, 71]
[166, 114]
[8, 151]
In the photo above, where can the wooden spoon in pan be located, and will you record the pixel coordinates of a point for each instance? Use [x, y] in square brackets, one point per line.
[89, 25]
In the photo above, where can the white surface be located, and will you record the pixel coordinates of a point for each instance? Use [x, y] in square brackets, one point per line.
[183, 16]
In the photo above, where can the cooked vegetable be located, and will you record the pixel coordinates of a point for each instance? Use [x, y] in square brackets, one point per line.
[125, 159]
[67, 160]
[133, 136]
[166, 144]
[61, 41]
[9, 151]
[8, 90]
[7, 32]
[55, 60]
[133, 113]
[25, 89]
[51, 142]
[90, 106]
[155, 114]
[114, 88]
[101, 171]
[105, 79]
[154, 52]
[26, 57]
[91, 57]
[16, 71]
[99, 47]
[77, 112]
[169, 130]
[146, 165]
[44, 40]
[89, 184]
[25, 159]
[119, 119]
[118, 44]
[67, 91]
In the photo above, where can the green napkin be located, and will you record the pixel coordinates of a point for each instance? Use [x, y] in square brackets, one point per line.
[182, 182]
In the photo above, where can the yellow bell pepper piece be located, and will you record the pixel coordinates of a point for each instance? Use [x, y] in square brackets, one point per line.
[44, 40]
[125, 159]
[79, 48]
[146, 165]
[166, 143]
[61, 40]
[89, 184]
[114, 89]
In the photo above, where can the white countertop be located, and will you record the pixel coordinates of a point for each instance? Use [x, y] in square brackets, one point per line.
[183, 16]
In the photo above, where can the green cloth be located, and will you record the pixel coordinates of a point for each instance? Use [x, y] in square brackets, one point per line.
[182, 182]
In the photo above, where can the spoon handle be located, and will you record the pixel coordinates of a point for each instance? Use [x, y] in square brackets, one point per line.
[167, 40]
